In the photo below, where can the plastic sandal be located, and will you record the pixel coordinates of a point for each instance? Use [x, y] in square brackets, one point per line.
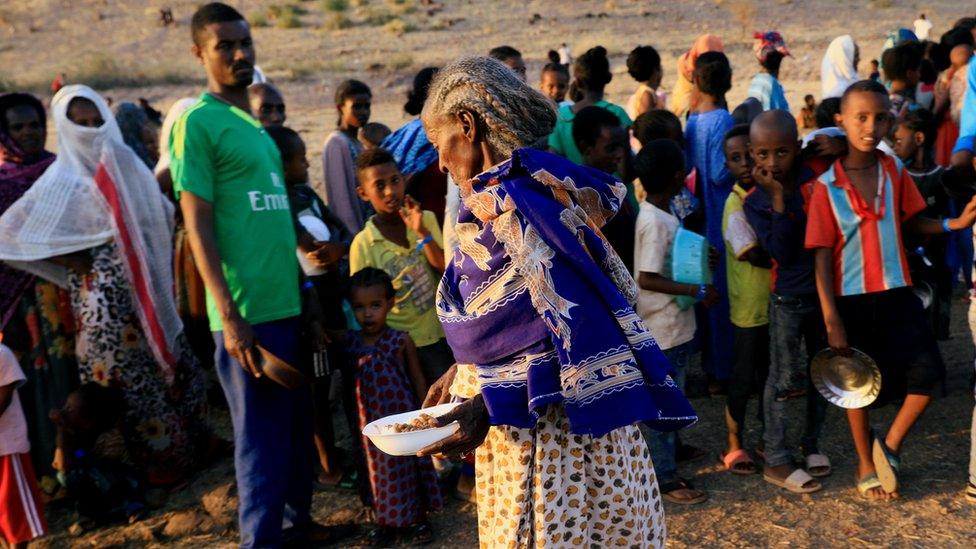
[971, 492]
[680, 484]
[799, 482]
[868, 483]
[886, 463]
[734, 459]
[818, 465]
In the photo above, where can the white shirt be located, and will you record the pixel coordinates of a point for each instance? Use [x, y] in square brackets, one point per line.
[13, 426]
[565, 57]
[654, 237]
[922, 28]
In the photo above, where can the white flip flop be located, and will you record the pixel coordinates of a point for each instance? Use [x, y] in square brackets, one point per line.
[795, 482]
[818, 461]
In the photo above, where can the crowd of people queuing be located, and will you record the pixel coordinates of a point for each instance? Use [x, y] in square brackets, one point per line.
[509, 247]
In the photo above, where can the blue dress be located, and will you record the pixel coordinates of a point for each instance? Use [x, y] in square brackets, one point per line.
[704, 149]
[767, 89]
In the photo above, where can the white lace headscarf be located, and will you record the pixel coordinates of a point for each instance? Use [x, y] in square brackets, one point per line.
[837, 70]
[97, 191]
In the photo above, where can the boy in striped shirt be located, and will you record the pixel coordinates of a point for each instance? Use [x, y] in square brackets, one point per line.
[858, 210]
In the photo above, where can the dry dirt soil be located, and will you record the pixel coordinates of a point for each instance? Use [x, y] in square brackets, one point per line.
[119, 47]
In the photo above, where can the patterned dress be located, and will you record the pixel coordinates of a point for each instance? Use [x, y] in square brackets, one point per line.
[165, 425]
[404, 488]
[538, 308]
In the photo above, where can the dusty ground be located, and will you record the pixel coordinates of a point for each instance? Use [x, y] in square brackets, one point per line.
[741, 512]
[118, 46]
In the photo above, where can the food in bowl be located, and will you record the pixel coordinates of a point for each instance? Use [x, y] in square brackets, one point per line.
[419, 423]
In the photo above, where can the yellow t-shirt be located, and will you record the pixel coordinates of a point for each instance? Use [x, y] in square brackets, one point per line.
[748, 285]
[414, 280]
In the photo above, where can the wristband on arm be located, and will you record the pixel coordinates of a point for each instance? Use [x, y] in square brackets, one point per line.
[945, 225]
[701, 292]
[424, 241]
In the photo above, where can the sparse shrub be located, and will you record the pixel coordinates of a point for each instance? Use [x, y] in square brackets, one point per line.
[335, 6]
[257, 19]
[377, 17]
[399, 26]
[336, 21]
[288, 20]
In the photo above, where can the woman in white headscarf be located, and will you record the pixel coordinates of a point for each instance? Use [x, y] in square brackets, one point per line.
[97, 224]
[838, 70]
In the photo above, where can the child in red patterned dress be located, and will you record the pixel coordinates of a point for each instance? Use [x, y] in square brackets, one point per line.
[389, 381]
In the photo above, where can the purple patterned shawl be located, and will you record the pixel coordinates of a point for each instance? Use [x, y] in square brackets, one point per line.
[16, 176]
[538, 301]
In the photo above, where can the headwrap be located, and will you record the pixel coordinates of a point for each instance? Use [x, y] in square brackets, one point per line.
[537, 299]
[837, 70]
[98, 191]
[704, 43]
[132, 119]
[768, 42]
[410, 147]
[172, 115]
[16, 176]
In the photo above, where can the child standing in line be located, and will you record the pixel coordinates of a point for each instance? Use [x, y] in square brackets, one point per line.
[902, 65]
[22, 519]
[770, 49]
[661, 169]
[914, 144]
[603, 142]
[875, 71]
[858, 211]
[554, 82]
[389, 381]
[644, 66]
[663, 124]
[808, 113]
[776, 210]
[748, 275]
[405, 242]
[353, 101]
[704, 150]
[591, 74]
[372, 134]
[323, 251]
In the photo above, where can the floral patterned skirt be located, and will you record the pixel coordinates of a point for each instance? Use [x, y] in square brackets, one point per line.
[546, 487]
[165, 425]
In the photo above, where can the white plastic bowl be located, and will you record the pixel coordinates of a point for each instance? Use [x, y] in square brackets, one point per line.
[409, 443]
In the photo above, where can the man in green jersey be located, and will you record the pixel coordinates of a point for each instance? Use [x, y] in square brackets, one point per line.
[227, 174]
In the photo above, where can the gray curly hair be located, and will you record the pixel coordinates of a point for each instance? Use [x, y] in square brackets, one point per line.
[511, 114]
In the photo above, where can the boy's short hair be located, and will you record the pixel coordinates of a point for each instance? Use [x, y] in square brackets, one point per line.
[826, 110]
[863, 86]
[375, 132]
[642, 62]
[374, 157]
[739, 130]
[285, 138]
[808, 96]
[369, 277]
[713, 73]
[901, 59]
[504, 53]
[921, 120]
[658, 124]
[588, 123]
[657, 162]
[874, 62]
[214, 12]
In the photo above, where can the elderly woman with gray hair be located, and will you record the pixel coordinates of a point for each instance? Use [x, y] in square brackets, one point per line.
[555, 366]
